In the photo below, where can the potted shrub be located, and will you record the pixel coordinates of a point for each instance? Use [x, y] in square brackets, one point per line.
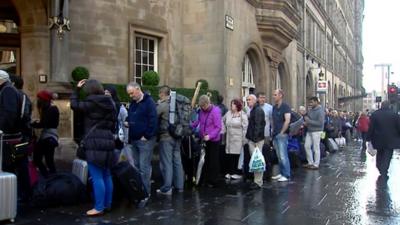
[151, 78]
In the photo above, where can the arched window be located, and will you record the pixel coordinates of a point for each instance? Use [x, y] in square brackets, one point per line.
[247, 77]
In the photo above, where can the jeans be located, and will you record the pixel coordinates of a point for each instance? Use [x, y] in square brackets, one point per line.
[102, 186]
[313, 139]
[280, 144]
[171, 164]
[142, 152]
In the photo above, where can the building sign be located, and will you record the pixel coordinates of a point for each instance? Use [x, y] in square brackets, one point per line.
[229, 22]
[322, 86]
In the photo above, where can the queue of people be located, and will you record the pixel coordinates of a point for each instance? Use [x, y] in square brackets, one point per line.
[245, 126]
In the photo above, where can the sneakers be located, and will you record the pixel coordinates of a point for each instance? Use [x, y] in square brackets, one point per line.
[236, 177]
[228, 176]
[169, 192]
[282, 179]
[276, 177]
[142, 203]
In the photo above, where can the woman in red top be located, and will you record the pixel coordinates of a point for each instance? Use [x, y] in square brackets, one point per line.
[363, 126]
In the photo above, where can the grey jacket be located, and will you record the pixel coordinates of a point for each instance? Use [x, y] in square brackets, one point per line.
[315, 119]
[163, 116]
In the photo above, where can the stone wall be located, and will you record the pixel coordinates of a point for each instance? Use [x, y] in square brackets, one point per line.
[103, 31]
[203, 43]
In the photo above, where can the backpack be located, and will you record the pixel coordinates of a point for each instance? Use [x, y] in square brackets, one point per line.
[179, 116]
[296, 122]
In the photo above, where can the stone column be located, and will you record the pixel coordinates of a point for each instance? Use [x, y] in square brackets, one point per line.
[34, 55]
[59, 47]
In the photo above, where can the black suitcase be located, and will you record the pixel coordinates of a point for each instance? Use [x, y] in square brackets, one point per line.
[130, 180]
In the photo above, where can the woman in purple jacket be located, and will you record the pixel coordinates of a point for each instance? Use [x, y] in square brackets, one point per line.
[210, 123]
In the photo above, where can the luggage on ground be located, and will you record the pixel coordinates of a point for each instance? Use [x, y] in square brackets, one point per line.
[131, 181]
[8, 197]
[58, 190]
[332, 146]
[80, 169]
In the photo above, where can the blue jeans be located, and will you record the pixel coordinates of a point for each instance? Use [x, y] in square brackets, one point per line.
[102, 186]
[171, 164]
[280, 144]
[142, 152]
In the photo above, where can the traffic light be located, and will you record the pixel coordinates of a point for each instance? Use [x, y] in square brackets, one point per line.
[392, 93]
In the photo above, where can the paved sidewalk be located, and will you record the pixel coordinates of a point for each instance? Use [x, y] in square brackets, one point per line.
[346, 190]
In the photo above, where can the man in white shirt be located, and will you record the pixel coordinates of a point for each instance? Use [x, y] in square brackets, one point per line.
[268, 115]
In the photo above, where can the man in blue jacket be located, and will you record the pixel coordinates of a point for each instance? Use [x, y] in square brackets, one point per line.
[142, 122]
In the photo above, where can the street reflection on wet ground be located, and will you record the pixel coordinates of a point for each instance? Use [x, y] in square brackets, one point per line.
[345, 190]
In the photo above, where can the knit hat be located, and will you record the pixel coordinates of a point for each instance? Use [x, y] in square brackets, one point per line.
[4, 75]
[45, 95]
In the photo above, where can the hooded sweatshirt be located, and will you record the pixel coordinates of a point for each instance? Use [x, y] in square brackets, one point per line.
[316, 119]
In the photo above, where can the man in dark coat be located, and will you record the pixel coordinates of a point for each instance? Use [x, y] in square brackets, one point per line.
[10, 109]
[384, 133]
[255, 133]
[142, 121]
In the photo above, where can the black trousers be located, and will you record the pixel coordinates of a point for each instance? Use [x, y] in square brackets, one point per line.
[20, 169]
[383, 158]
[231, 164]
[45, 148]
[211, 165]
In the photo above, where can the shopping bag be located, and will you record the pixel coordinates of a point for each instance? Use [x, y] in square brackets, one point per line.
[257, 161]
[370, 149]
[241, 159]
[126, 155]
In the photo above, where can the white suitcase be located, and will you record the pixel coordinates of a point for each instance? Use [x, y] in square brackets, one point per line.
[8, 190]
[80, 169]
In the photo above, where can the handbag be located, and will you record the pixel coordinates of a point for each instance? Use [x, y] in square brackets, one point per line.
[19, 151]
[81, 151]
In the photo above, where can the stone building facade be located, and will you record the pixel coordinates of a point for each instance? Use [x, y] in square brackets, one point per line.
[238, 46]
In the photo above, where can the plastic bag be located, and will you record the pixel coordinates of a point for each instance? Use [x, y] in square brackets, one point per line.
[257, 161]
[241, 159]
[370, 149]
[126, 155]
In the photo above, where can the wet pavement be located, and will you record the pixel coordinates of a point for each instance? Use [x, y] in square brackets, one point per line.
[345, 190]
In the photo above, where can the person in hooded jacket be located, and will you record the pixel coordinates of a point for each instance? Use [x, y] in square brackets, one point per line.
[121, 134]
[48, 140]
[99, 127]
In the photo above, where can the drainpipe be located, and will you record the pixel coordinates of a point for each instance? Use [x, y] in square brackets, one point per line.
[305, 53]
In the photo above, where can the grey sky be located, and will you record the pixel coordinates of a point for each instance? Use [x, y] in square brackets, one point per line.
[381, 41]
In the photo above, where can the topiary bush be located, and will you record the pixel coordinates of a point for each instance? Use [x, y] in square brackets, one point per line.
[204, 84]
[80, 73]
[151, 78]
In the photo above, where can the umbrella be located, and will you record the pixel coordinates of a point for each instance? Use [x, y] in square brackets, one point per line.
[201, 163]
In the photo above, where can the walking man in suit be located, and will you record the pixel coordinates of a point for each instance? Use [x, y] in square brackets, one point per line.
[384, 134]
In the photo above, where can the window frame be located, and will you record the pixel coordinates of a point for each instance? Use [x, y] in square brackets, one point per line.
[148, 51]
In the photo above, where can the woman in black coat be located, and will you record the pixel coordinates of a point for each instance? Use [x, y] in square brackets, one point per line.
[98, 140]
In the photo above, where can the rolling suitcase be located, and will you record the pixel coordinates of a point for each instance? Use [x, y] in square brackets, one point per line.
[8, 190]
[80, 169]
[332, 146]
[130, 180]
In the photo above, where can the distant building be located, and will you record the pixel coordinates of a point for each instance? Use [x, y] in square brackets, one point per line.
[369, 102]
